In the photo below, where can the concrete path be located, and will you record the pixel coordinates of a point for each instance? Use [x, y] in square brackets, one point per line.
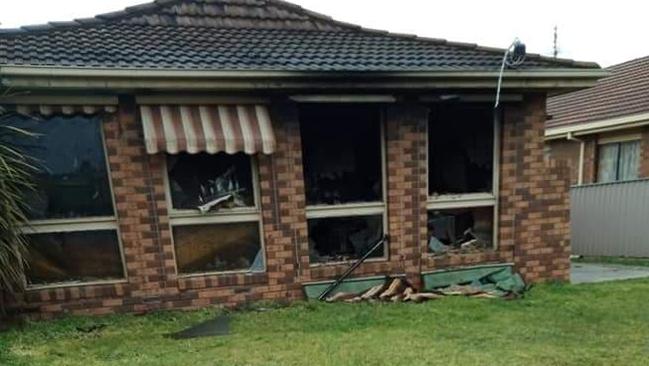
[593, 272]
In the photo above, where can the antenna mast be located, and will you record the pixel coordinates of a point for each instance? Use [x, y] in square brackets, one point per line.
[555, 48]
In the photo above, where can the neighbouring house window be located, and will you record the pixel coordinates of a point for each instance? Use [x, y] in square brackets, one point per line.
[462, 145]
[618, 161]
[214, 215]
[342, 150]
[73, 233]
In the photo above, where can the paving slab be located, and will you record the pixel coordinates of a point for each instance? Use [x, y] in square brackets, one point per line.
[595, 272]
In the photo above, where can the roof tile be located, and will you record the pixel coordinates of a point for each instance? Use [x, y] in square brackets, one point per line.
[624, 92]
[240, 35]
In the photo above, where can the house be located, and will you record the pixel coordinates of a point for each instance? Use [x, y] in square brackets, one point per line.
[603, 132]
[214, 152]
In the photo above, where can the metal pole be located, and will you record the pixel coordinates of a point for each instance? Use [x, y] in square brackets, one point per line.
[351, 269]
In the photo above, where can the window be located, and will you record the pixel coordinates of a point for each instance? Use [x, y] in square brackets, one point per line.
[214, 216]
[462, 155]
[464, 229]
[73, 233]
[618, 161]
[343, 172]
[80, 256]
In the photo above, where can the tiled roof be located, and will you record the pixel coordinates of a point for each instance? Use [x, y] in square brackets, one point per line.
[265, 35]
[624, 92]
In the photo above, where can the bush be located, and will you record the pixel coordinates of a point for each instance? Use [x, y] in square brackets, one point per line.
[15, 178]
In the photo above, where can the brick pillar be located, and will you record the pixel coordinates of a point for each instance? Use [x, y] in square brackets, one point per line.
[140, 207]
[406, 134]
[644, 155]
[283, 201]
[534, 206]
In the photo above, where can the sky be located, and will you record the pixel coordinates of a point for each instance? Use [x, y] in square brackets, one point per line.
[607, 32]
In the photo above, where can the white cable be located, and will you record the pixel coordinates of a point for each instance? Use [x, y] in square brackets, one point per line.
[511, 62]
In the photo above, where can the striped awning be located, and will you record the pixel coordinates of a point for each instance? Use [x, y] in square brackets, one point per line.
[208, 128]
[68, 110]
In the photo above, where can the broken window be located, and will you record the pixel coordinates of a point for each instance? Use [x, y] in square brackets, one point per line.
[72, 177]
[218, 248]
[196, 180]
[343, 173]
[462, 141]
[83, 256]
[618, 161]
[460, 149]
[214, 216]
[342, 154]
[72, 235]
[460, 229]
[344, 238]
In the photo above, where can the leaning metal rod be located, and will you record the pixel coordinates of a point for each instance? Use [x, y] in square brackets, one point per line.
[351, 269]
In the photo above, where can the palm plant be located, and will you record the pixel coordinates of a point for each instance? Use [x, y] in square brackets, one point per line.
[16, 170]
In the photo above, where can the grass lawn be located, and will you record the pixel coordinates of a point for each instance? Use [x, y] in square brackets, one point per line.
[594, 324]
[629, 261]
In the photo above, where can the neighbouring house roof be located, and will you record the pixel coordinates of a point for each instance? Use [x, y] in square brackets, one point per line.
[625, 92]
[242, 35]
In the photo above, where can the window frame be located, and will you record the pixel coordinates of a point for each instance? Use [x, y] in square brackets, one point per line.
[186, 217]
[359, 208]
[471, 200]
[617, 140]
[69, 225]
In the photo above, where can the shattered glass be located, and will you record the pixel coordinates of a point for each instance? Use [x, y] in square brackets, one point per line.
[344, 238]
[207, 182]
[460, 229]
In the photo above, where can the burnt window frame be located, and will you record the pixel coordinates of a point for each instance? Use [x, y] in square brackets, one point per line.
[81, 224]
[344, 210]
[470, 200]
[187, 217]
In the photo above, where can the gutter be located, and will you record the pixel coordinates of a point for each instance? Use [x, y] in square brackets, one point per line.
[18, 70]
[606, 125]
[102, 78]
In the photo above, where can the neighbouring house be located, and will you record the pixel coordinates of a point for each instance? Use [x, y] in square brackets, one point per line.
[603, 132]
[214, 152]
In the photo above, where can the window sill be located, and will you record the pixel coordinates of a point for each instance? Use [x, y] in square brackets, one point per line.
[222, 280]
[58, 285]
[348, 262]
[71, 225]
[460, 252]
[220, 274]
[467, 200]
[219, 217]
[345, 210]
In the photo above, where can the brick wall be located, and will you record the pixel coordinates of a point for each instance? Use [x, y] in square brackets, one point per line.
[534, 199]
[532, 217]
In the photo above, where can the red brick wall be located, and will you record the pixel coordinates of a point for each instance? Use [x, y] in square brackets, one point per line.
[534, 197]
[532, 214]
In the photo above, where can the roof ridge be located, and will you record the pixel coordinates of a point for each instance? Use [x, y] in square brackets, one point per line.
[154, 5]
